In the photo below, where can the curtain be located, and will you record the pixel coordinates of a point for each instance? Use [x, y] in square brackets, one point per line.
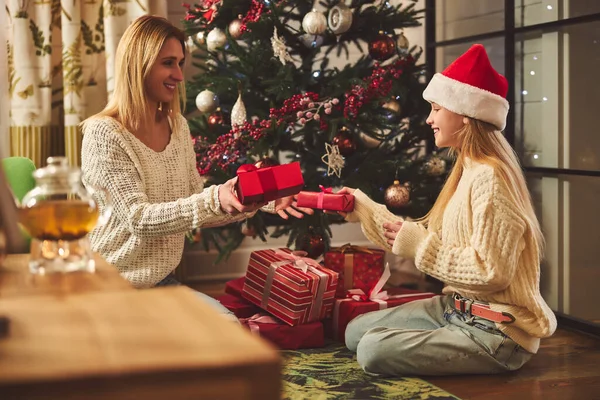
[60, 58]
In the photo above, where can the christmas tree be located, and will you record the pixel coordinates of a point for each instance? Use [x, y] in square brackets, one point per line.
[266, 94]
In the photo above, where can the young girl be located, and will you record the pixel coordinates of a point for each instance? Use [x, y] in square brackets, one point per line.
[140, 151]
[481, 238]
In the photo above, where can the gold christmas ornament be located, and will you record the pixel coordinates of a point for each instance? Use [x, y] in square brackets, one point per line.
[397, 195]
[235, 28]
[314, 23]
[207, 101]
[215, 39]
[339, 18]
[435, 166]
[392, 105]
[369, 141]
[238, 112]
[403, 43]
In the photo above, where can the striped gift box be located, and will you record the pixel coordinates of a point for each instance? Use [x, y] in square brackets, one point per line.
[292, 287]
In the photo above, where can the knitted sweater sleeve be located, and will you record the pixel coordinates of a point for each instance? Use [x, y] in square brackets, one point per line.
[488, 260]
[371, 216]
[109, 163]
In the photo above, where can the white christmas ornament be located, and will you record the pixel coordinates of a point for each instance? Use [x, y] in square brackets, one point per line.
[207, 101]
[314, 23]
[235, 28]
[200, 37]
[215, 39]
[279, 49]
[339, 18]
[238, 112]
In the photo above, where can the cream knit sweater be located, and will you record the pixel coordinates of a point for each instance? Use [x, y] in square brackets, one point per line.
[484, 251]
[157, 197]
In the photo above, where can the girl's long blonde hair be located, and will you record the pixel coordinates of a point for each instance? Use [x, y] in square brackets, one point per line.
[481, 142]
[136, 54]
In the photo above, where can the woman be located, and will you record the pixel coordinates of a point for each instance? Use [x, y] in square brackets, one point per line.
[481, 238]
[140, 151]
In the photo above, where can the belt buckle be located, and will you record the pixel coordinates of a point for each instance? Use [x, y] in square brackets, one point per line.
[464, 304]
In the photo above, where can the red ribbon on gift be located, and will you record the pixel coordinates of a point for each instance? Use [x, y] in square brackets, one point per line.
[253, 322]
[267, 180]
[324, 191]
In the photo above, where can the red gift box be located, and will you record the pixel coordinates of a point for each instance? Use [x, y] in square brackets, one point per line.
[286, 337]
[326, 200]
[294, 288]
[240, 307]
[358, 267]
[265, 184]
[234, 287]
[345, 310]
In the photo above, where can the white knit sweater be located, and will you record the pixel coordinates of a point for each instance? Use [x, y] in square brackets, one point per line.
[157, 197]
[484, 251]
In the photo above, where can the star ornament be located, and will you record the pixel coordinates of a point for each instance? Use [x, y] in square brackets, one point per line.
[333, 159]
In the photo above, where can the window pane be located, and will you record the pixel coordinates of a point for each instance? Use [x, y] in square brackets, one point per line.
[494, 47]
[461, 18]
[556, 99]
[532, 12]
[570, 277]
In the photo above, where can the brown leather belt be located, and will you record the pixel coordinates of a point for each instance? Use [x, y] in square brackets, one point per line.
[481, 310]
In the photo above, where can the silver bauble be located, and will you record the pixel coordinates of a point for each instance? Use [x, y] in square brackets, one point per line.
[314, 23]
[215, 39]
[207, 101]
[339, 18]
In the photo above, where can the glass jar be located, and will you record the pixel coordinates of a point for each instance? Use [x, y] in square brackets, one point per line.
[58, 214]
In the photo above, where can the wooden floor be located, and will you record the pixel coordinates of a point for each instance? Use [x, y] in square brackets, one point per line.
[566, 367]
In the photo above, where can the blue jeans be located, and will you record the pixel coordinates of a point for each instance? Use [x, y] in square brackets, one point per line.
[214, 303]
[430, 337]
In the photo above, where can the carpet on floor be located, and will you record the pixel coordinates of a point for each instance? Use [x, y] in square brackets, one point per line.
[333, 373]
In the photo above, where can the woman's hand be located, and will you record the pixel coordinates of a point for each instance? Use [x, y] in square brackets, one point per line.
[391, 230]
[229, 201]
[345, 190]
[288, 205]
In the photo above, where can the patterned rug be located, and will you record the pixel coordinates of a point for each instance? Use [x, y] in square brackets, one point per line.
[333, 373]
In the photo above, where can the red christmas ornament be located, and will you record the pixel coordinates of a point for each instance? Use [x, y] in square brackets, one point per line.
[312, 243]
[216, 119]
[382, 47]
[344, 141]
[266, 162]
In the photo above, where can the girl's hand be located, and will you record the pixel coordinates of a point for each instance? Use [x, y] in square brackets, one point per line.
[345, 190]
[391, 230]
[288, 205]
[229, 201]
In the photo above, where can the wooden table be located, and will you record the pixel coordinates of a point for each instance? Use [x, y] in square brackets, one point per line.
[108, 343]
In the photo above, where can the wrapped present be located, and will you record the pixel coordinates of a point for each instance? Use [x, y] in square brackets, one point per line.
[292, 287]
[283, 336]
[256, 185]
[358, 302]
[358, 267]
[234, 287]
[240, 307]
[326, 200]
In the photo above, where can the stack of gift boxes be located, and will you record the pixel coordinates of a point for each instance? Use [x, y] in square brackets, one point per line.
[296, 302]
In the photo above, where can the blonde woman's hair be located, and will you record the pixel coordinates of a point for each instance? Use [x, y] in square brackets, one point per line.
[136, 54]
[483, 143]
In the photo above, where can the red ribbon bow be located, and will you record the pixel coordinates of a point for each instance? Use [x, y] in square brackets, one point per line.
[324, 191]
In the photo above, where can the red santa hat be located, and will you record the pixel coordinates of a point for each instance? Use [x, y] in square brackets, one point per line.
[470, 86]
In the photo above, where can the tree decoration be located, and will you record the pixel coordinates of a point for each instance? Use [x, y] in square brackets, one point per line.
[236, 27]
[344, 141]
[201, 37]
[215, 39]
[312, 243]
[312, 41]
[403, 43]
[435, 166]
[314, 23]
[392, 105]
[238, 112]
[382, 47]
[369, 141]
[279, 49]
[216, 119]
[266, 162]
[207, 101]
[339, 18]
[397, 195]
[333, 159]
[314, 109]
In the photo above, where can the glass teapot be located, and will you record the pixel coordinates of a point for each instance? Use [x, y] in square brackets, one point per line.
[58, 214]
